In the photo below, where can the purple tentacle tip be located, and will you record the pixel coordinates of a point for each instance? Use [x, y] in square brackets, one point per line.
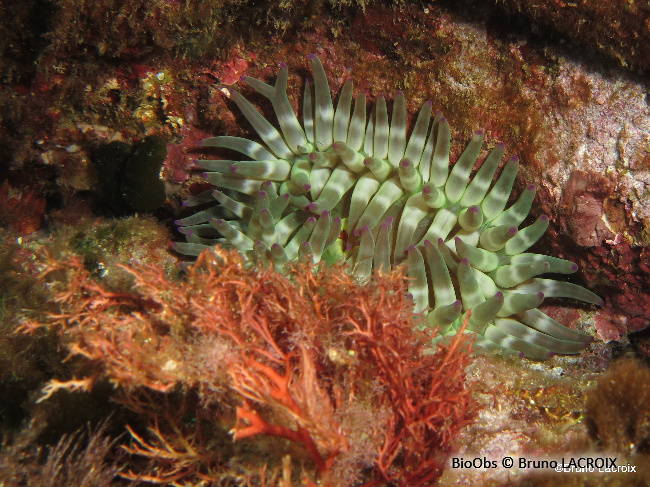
[479, 133]
[512, 230]
[283, 65]
[515, 158]
[311, 55]
[544, 218]
[522, 354]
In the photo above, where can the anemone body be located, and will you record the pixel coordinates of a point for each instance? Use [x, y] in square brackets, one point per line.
[398, 201]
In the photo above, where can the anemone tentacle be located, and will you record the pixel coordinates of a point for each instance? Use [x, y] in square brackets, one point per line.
[397, 201]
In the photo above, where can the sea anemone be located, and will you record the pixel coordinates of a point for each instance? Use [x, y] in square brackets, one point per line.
[346, 186]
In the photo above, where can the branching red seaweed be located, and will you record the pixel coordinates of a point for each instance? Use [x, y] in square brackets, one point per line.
[340, 369]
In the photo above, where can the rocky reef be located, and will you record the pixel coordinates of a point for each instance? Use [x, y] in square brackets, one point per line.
[141, 389]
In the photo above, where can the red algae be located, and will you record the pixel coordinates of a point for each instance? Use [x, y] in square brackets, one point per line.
[308, 357]
[21, 209]
[582, 209]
